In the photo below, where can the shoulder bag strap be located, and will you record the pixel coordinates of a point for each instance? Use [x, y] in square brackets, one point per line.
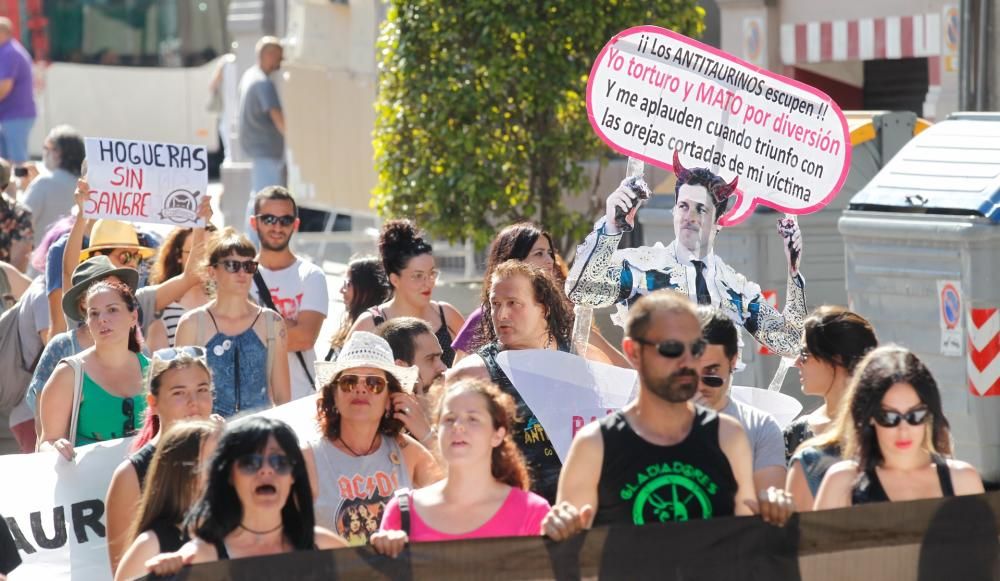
[270, 335]
[403, 498]
[77, 365]
[267, 301]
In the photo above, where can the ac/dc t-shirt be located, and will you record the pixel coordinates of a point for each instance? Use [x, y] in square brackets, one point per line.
[644, 483]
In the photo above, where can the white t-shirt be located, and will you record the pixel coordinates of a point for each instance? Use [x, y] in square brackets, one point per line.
[300, 287]
[766, 439]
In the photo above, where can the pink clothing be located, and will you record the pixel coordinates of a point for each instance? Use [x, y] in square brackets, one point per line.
[519, 516]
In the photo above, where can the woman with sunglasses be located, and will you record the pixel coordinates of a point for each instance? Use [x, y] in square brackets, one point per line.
[110, 399]
[899, 442]
[176, 478]
[485, 493]
[245, 342]
[526, 310]
[362, 457]
[365, 286]
[834, 342]
[409, 264]
[180, 389]
[257, 500]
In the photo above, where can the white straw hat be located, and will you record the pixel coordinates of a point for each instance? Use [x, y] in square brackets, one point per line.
[363, 349]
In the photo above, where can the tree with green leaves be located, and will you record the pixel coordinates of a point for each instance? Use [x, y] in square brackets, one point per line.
[481, 117]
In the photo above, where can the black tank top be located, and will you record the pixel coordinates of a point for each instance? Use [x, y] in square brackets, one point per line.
[141, 461]
[869, 488]
[169, 536]
[443, 335]
[642, 483]
[529, 434]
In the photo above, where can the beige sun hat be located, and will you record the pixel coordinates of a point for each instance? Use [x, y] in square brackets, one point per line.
[363, 349]
[111, 234]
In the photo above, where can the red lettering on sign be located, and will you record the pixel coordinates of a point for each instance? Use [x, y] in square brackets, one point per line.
[120, 203]
[130, 178]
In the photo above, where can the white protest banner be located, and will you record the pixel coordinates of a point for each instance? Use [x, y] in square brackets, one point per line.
[652, 91]
[55, 509]
[140, 181]
[565, 391]
[784, 408]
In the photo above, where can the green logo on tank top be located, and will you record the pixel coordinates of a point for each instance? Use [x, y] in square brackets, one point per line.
[668, 492]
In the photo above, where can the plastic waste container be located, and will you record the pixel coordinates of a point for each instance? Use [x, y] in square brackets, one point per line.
[922, 246]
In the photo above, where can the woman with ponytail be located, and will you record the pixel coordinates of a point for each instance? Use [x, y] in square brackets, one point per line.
[408, 261]
[111, 399]
[486, 491]
[180, 388]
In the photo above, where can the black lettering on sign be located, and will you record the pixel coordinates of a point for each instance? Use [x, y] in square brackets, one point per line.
[85, 514]
[59, 522]
[19, 540]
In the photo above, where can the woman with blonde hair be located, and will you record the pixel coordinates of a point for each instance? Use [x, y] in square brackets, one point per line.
[176, 477]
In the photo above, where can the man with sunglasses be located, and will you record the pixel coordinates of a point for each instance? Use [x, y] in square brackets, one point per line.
[661, 458]
[293, 287]
[716, 366]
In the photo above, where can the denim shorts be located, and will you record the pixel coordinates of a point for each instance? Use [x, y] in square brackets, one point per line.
[14, 139]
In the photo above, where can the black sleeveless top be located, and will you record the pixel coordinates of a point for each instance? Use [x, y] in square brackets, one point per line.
[169, 536]
[868, 488]
[443, 335]
[529, 434]
[141, 460]
[643, 483]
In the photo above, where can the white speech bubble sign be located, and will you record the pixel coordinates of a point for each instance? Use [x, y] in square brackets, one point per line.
[652, 91]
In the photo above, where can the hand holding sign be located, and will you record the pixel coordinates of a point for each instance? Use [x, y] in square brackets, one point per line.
[653, 92]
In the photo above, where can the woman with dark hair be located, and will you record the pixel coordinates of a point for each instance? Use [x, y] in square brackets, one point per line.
[176, 477]
[62, 153]
[408, 261]
[170, 260]
[365, 286]
[361, 436]
[256, 502]
[898, 445]
[526, 310]
[97, 395]
[834, 342]
[245, 342]
[486, 490]
[180, 388]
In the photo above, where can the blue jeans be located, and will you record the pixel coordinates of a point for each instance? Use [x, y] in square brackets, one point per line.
[14, 139]
[264, 172]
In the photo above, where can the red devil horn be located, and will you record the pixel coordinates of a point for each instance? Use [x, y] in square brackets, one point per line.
[679, 170]
[727, 190]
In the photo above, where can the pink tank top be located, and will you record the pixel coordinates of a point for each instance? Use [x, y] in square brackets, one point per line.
[519, 516]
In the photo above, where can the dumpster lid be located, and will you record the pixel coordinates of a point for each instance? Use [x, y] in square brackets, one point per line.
[952, 167]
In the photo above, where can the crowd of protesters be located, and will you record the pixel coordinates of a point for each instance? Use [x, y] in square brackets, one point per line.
[422, 436]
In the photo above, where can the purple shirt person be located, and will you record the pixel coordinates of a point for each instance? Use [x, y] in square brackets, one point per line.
[17, 101]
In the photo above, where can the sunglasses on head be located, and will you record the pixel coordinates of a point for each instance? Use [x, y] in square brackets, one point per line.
[252, 463]
[234, 266]
[171, 353]
[673, 349]
[271, 220]
[373, 383]
[892, 418]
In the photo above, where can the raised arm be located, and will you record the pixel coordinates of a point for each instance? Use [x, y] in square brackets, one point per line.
[171, 291]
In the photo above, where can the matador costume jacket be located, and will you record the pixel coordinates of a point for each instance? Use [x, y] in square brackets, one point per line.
[603, 275]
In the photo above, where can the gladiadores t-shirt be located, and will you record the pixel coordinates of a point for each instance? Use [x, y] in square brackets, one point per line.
[642, 483]
[298, 288]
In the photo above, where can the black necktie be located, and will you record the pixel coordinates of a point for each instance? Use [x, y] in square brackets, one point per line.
[700, 284]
